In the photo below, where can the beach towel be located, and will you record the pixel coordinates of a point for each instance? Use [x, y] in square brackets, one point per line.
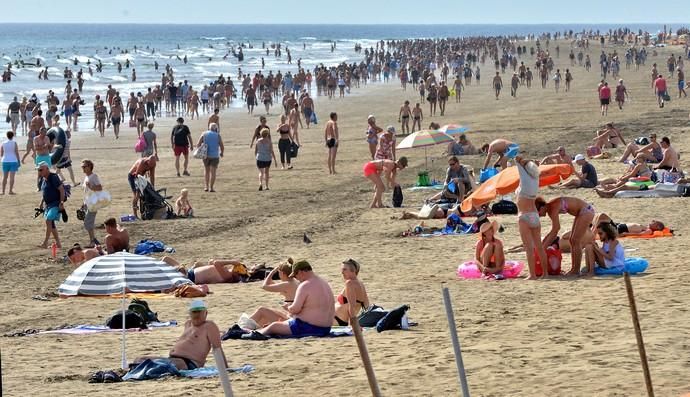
[659, 233]
[438, 186]
[162, 367]
[210, 372]
[86, 329]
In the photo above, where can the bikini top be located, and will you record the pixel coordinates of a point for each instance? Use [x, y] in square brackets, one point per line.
[564, 206]
[342, 299]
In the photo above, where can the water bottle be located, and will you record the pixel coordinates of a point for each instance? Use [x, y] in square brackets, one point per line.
[53, 250]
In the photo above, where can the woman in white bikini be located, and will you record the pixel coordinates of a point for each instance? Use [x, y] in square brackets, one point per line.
[528, 215]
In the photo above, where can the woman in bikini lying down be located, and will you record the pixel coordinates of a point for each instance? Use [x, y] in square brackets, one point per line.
[354, 297]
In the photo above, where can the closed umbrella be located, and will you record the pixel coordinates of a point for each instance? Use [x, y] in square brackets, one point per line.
[118, 274]
[454, 129]
[508, 180]
[424, 138]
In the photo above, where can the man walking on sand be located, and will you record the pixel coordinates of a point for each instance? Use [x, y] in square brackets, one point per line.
[181, 141]
[498, 84]
[660, 90]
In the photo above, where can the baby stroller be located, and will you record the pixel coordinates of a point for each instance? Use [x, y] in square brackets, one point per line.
[153, 203]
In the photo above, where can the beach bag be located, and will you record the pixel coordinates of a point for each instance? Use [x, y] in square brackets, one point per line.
[98, 200]
[201, 151]
[132, 123]
[667, 97]
[504, 207]
[132, 320]
[371, 316]
[141, 307]
[553, 258]
[141, 145]
[294, 150]
[397, 196]
[486, 174]
[189, 291]
[593, 151]
[393, 319]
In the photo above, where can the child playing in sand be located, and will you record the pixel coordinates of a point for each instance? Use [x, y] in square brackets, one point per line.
[184, 208]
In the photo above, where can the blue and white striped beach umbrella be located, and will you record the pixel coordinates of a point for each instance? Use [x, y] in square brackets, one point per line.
[120, 273]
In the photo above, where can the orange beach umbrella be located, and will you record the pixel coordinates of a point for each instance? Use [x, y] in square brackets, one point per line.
[508, 180]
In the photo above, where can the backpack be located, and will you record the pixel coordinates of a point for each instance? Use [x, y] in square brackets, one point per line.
[294, 150]
[132, 320]
[504, 207]
[397, 196]
[141, 307]
[371, 316]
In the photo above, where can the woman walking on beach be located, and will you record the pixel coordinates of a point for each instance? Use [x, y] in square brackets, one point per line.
[373, 132]
[263, 151]
[214, 151]
[584, 215]
[604, 98]
[101, 113]
[372, 171]
[386, 145]
[284, 143]
[528, 216]
[9, 153]
[331, 137]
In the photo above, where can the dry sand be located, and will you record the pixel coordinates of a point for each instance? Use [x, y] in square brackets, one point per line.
[560, 337]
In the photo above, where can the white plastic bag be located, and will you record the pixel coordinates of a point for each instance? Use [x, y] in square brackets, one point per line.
[98, 200]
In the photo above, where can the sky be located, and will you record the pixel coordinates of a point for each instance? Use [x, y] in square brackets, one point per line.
[347, 12]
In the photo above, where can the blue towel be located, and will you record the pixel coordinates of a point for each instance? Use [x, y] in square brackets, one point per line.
[146, 247]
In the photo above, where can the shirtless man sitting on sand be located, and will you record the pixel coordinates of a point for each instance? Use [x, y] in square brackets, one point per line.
[312, 311]
[197, 340]
[498, 146]
[212, 272]
[117, 237]
[560, 157]
[670, 158]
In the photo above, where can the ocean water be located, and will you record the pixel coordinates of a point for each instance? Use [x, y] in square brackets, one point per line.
[205, 46]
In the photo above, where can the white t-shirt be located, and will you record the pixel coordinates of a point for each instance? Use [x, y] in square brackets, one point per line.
[10, 155]
[93, 180]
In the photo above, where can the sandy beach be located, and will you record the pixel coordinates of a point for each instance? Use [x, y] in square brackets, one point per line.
[559, 337]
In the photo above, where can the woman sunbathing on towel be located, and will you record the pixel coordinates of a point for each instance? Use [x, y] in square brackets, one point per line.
[488, 252]
[629, 229]
[212, 272]
[354, 297]
[286, 287]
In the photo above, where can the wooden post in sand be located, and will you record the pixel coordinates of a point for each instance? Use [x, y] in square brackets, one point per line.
[364, 353]
[222, 371]
[456, 343]
[638, 335]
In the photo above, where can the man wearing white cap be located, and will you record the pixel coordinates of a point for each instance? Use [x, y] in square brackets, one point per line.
[197, 340]
[586, 178]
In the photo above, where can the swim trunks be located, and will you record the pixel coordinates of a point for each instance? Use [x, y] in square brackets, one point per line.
[190, 275]
[370, 168]
[188, 362]
[303, 328]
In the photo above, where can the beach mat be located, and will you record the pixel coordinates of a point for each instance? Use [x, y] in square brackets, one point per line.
[98, 329]
[659, 233]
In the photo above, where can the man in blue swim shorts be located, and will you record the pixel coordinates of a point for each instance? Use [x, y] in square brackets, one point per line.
[312, 312]
[53, 199]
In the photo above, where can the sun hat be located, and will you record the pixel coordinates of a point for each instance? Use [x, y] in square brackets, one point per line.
[197, 305]
[486, 226]
[579, 157]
